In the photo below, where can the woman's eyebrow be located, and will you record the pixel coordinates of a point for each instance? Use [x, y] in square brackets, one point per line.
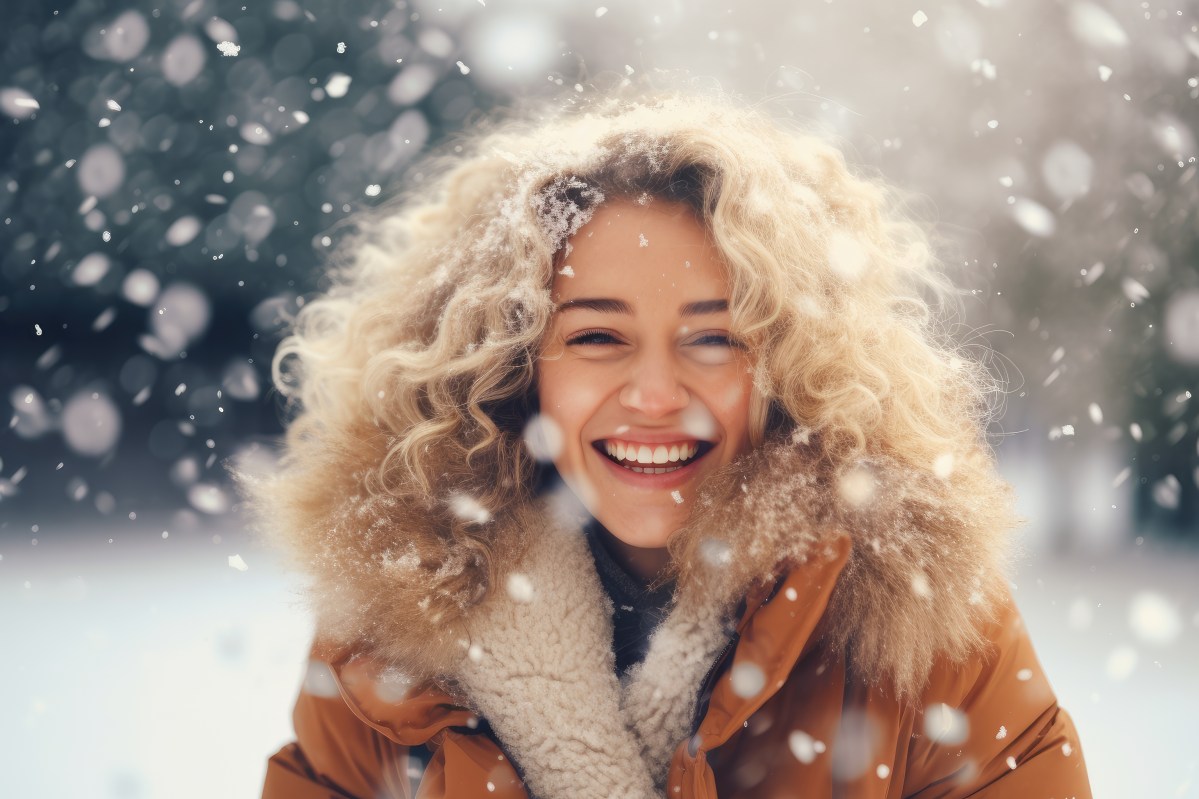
[604, 305]
[703, 307]
[594, 304]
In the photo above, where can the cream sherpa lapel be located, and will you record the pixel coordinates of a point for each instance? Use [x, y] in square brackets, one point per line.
[541, 671]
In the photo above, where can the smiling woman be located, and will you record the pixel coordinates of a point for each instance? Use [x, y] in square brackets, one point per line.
[628, 461]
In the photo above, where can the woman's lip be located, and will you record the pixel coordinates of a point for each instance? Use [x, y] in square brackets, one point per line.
[674, 437]
[667, 480]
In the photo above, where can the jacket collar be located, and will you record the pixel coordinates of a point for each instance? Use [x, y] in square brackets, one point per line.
[779, 624]
[888, 576]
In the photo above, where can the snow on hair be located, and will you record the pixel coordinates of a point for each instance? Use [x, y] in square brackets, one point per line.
[414, 374]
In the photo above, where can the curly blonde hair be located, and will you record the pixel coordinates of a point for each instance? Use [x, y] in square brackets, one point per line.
[415, 373]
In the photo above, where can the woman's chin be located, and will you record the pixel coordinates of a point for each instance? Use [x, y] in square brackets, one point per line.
[648, 530]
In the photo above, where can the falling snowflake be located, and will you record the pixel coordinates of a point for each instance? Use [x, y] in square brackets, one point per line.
[1134, 290]
[1154, 618]
[228, 49]
[921, 586]
[469, 510]
[1036, 219]
[338, 84]
[946, 725]
[856, 487]
[804, 746]
[847, 258]
[747, 679]
[520, 588]
[543, 438]
[715, 552]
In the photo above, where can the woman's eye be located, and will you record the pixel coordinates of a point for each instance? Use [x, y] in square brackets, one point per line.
[714, 349]
[716, 340]
[593, 337]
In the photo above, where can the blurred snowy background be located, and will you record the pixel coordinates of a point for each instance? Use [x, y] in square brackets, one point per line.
[172, 173]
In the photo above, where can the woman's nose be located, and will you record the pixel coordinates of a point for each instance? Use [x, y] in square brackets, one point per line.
[653, 389]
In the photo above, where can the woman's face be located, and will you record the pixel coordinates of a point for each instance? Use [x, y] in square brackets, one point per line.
[639, 371]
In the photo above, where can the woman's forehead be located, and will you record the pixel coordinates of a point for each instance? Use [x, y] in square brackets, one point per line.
[638, 254]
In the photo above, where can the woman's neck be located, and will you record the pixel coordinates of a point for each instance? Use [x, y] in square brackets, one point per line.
[643, 563]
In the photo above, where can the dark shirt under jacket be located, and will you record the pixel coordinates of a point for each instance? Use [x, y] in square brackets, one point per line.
[636, 610]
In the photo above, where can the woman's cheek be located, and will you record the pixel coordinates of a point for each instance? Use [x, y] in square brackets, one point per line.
[570, 394]
[570, 397]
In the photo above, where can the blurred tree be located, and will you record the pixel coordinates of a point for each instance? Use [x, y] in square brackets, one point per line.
[171, 175]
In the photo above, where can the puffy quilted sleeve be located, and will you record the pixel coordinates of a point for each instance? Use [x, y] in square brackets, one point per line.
[336, 756]
[994, 730]
[356, 741]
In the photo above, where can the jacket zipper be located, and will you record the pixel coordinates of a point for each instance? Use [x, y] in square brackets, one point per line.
[706, 685]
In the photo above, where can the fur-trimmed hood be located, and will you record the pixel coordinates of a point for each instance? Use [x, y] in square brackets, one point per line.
[920, 581]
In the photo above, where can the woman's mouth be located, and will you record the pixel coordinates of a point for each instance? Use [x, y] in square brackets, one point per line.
[652, 458]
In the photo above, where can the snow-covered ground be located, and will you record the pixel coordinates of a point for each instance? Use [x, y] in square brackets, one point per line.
[145, 667]
[1119, 638]
[151, 667]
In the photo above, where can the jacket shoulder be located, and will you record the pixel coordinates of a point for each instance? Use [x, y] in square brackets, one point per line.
[361, 731]
[992, 726]
[335, 756]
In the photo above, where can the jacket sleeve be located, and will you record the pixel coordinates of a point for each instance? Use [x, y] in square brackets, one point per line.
[336, 756]
[353, 743]
[995, 730]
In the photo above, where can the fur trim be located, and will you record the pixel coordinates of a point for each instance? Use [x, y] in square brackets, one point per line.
[921, 580]
[534, 657]
[378, 565]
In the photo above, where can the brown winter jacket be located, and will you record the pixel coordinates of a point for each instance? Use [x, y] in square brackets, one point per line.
[887, 661]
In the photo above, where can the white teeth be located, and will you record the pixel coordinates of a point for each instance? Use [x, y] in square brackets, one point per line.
[656, 455]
